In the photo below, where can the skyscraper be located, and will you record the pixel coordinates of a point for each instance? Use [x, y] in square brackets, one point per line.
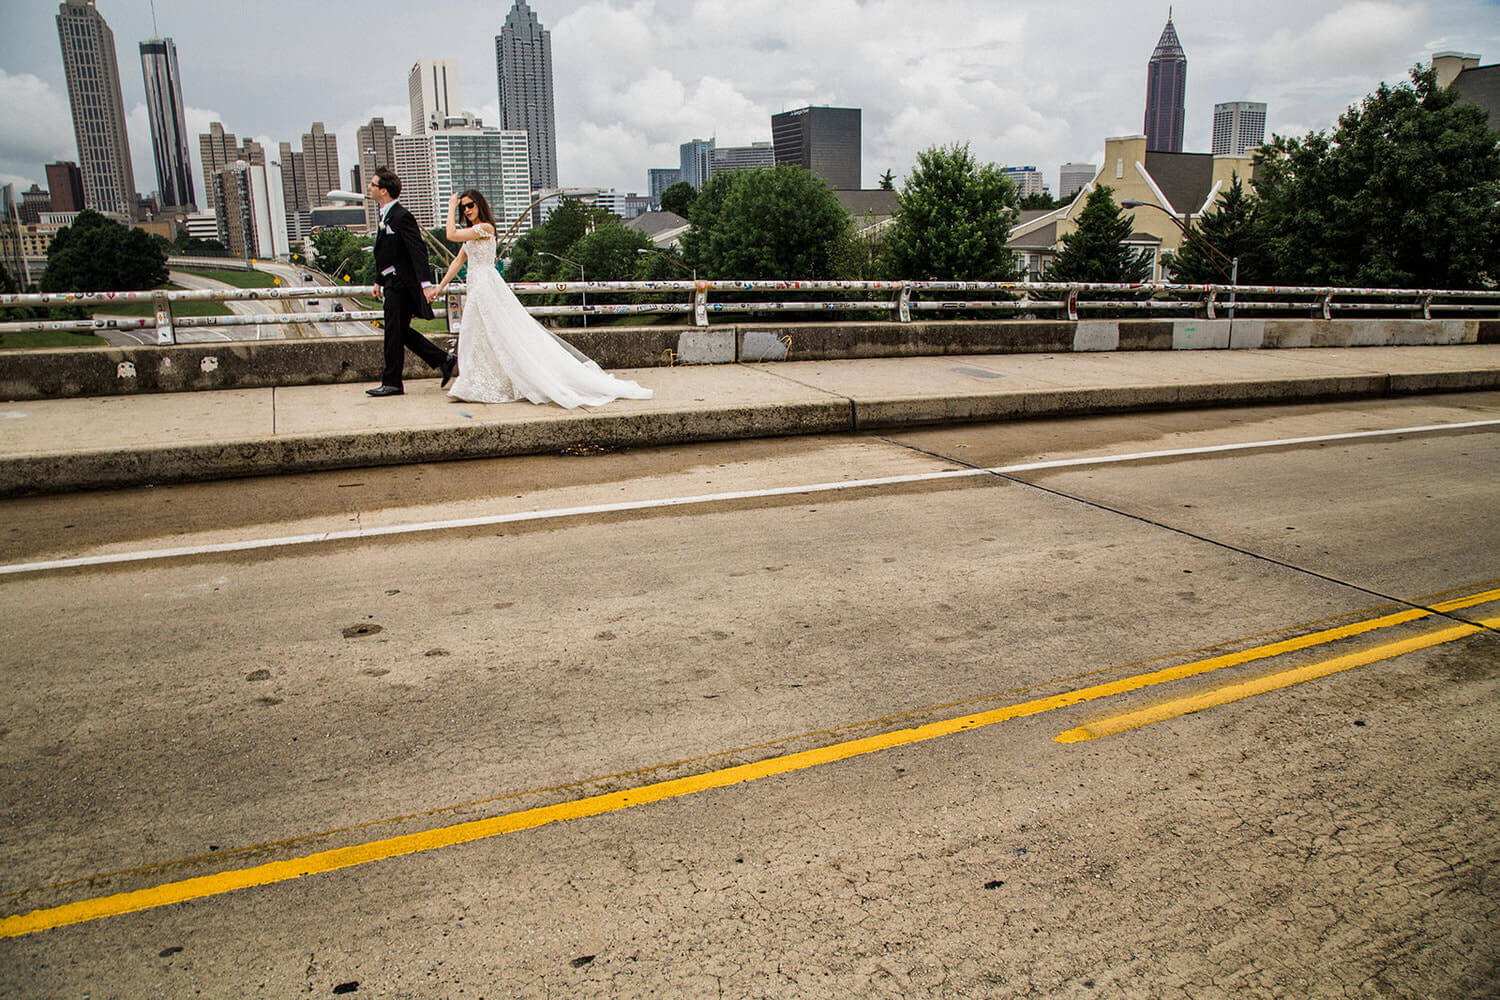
[1239, 126]
[824, 140]
[169, 142]
[294, 192]
[218, 149]
[1028, 180]
[1166, 91]
[413, 164]
[727, 159]
[1072, 177]
[493, 161]
[377, 148]
[320, 160]
[697, 161]
[433, 87]
[523, 62]
[93, 74]
[658, 179]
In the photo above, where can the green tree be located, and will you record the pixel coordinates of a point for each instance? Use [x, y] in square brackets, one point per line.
[1096, 250]
[953, 218]
[192, 246]
[439, 236]
[96, 254]
[774, 222]
[1041, 200]
[338, 253]
[9, 286]
[887, 181]
[1405, 193]
[679, 198]
[1233, 228]
[568, 223]
[609, 253]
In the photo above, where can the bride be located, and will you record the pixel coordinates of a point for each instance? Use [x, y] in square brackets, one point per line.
[503, 354]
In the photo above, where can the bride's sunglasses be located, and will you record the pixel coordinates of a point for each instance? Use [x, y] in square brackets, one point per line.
[466, 205]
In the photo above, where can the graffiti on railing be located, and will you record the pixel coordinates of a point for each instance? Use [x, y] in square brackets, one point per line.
[1040, 299]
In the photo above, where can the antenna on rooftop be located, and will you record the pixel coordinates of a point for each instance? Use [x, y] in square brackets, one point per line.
[155, 31]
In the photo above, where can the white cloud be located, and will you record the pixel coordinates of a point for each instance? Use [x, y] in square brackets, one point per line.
[36, 127]
[635, 78]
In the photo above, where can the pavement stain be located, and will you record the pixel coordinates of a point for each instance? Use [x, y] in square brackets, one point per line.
[362, 629]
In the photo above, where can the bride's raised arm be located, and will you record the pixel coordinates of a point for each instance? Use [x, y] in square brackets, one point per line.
[457, 233]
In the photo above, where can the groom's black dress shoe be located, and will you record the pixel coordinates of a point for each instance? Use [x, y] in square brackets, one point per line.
[450, 364]
[384, 390]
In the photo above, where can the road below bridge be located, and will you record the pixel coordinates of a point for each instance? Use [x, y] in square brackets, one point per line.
[815, 717]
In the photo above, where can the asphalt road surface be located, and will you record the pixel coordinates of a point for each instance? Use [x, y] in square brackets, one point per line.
[1190, 724]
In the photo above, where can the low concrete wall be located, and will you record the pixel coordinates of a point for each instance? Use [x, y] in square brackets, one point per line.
[50, 374]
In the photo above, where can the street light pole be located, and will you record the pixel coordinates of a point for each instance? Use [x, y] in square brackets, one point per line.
[1215, 255]
[584, 292]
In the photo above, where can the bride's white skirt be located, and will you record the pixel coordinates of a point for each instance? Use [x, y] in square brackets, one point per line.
[504, 355]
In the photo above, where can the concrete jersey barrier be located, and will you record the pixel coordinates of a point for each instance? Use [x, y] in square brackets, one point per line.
[77, 372]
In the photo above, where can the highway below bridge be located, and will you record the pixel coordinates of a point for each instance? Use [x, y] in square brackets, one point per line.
[809, 717]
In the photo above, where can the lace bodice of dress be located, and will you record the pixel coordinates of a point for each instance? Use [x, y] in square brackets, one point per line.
[482, 253]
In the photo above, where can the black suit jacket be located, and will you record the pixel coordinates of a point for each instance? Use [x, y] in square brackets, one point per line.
[399, 244]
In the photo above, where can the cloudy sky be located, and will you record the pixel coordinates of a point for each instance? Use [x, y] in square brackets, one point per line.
[1021, 82]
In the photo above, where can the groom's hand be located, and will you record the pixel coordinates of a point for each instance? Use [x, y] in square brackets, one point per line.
[377, 290]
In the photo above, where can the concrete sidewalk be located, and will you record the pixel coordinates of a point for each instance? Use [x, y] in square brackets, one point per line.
[66, 444]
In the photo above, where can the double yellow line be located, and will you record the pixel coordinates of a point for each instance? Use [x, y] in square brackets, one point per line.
[594, 805]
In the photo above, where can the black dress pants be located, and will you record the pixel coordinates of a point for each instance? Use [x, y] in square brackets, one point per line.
[399, 310]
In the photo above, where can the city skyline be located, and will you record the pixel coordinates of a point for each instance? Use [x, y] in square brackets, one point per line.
[1020, 89]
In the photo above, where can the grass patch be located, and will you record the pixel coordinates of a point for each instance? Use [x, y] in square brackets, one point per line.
[49, 338]
[423, 326]
[239, 279]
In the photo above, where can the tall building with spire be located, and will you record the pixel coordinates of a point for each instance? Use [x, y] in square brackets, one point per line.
[169, 135]
[93, 75]
[1166, 90]
[523, 62]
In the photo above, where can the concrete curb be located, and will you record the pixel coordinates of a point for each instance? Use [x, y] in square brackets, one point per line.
[23, 474]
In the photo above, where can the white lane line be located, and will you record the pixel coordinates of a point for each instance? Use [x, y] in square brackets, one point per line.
[561, 513]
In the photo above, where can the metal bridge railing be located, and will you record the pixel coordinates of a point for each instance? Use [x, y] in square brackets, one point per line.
[903, 300]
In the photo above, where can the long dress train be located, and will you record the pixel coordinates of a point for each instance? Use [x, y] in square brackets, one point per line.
[504, 355]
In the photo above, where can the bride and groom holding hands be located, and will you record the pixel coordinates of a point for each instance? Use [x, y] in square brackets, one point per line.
[503, 354]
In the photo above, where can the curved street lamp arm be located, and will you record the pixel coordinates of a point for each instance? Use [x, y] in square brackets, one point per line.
[1214, 254]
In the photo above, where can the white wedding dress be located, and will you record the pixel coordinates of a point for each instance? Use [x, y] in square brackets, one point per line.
[504, 355]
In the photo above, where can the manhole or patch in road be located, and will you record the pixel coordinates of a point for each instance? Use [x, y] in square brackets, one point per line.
[977, 372]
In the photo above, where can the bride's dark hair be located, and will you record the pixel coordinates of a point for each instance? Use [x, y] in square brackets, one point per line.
[482, 207]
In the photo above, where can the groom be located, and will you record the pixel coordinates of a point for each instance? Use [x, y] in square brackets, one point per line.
[401, 272]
